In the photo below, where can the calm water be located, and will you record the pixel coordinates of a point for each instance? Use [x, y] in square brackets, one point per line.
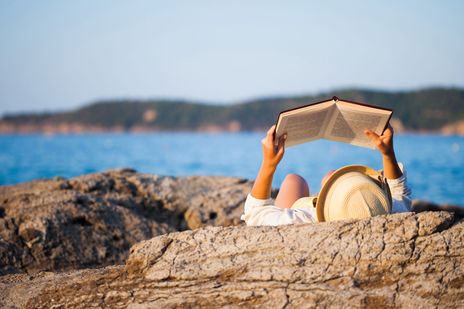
[435, 164]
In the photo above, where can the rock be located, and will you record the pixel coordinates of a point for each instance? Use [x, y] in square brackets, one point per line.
[455, 128]
[422, 205]
[94, 219]
[201, 200]
[402, 260]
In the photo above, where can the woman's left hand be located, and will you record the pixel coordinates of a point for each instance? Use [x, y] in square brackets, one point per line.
[272, 154]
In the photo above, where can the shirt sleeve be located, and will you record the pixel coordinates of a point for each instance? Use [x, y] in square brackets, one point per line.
[401, 193]
[264, 212]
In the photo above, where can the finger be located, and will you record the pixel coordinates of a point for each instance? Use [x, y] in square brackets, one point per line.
[270, 135]
[388, 131]
[281, 146]
[282, 141]
[280, 152]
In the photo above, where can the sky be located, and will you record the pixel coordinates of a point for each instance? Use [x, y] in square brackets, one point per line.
[59, 55]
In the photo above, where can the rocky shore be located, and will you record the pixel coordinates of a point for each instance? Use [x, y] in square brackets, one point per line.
[93, 220]
[123, 239]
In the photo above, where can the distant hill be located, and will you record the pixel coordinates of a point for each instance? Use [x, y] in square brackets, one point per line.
[421, 110]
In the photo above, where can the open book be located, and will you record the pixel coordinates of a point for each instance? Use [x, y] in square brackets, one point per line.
[333, 119]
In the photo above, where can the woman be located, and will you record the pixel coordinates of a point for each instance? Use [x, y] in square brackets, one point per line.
[350, 192]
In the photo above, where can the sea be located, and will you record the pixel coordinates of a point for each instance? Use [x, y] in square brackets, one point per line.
[434, 164]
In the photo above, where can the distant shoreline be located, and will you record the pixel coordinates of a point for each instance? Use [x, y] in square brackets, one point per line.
[136, 132]
[229, 127]
[433, 110]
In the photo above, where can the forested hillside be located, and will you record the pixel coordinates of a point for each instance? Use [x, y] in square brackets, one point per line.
[427, 109]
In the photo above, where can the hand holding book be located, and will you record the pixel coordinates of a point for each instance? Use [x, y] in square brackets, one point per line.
[273, 151]
[384, 144]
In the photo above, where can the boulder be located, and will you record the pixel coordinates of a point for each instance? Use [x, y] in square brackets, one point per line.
[93, 220]
[402, 260]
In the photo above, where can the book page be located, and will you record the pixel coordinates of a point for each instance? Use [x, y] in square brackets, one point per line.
[348, 126]
[304, 126]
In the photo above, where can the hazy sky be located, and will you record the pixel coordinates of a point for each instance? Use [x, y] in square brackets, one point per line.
[57, 55]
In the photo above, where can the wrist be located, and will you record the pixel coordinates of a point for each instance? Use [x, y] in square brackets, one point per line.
[389, 154]
[268, 167]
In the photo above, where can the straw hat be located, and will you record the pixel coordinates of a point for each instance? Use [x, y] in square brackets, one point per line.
[351, 192]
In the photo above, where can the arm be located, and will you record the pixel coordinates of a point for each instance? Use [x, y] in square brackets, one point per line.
[401, 194]
[271, 157]
[259, 207]
[384, 143]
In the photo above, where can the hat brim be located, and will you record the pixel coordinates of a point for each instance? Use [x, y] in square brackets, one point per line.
[377, 177]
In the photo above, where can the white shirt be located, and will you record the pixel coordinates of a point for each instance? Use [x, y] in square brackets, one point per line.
[264, 212]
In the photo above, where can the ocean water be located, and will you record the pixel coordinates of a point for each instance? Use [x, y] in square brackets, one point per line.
[434, 164]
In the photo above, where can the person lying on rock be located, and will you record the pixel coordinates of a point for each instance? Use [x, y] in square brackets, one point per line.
[351, 192]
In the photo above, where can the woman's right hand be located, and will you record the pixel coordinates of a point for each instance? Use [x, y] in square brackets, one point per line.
[272, 154]
[384, 142]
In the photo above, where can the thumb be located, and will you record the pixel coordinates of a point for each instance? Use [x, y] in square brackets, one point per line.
[372, 135]
[281, 144]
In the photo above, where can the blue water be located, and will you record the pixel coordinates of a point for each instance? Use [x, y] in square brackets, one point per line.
[435, 164]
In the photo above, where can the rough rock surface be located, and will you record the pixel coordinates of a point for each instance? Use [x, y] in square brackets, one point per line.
[93, 220]
[403, 260]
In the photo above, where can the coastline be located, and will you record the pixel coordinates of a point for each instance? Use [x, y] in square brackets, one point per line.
[79, 130]
[234, 126]
[429, 110]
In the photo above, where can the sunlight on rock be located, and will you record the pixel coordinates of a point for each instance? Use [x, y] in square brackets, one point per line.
[149, 115]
